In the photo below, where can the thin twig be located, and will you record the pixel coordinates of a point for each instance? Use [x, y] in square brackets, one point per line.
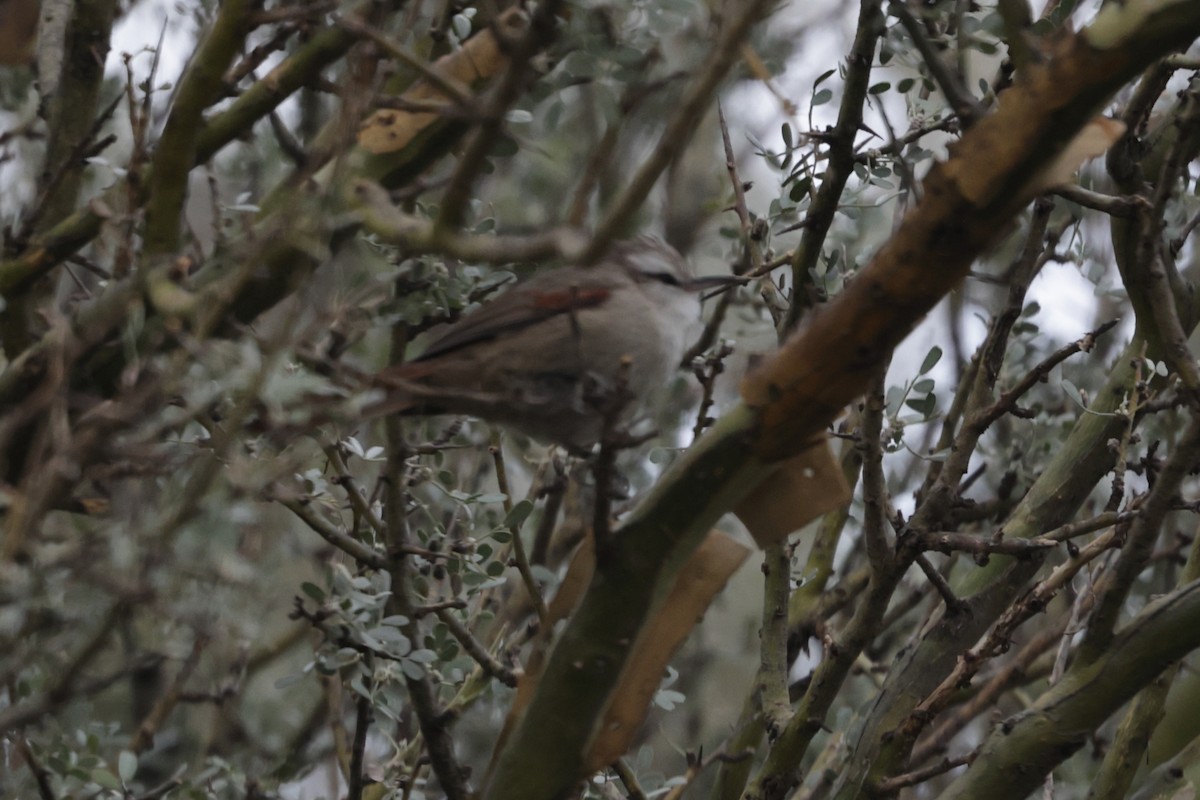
[894, 784]
[40, 774]
[953, 604]
[840, 164]
[1006, 677]
[875, 496]
[949, 124]
[358, 500]
[633, 790]
[771, 683]
[476, 650]
[602, 153]
[435, 728]
[144, 737]
[72, 162]
[526, 36]
[999, 637]
[363, 713]
[965, 106]
[1111, 204]
[360, 552]
[64, 685]
[1008, 400]
[520, 557]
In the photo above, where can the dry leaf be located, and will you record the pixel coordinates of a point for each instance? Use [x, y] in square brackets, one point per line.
[18, 30]
[704, 575]
[1094, 140]
[698, 582]
[480, 58]
[801, 489]
[574, 582]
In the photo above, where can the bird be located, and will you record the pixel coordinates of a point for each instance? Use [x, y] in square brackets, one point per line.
[543, 357]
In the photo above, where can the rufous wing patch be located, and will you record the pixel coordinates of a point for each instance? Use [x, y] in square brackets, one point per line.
[569, 299]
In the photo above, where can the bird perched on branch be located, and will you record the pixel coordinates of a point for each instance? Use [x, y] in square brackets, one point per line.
[553, 355]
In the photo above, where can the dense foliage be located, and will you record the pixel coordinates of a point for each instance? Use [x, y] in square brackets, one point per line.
[218, 580]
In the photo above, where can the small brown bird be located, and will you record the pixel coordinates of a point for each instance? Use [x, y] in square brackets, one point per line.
[538, 356]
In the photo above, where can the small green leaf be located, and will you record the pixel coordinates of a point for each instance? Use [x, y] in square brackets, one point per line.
[924, 406]
[1021, 328]
[391, 636]
[893, 399]
[553, 115]
[504, 147]
[423, 656]
[542, 575]
[313, 591]
[667, 699]
[106, 779]
[461, 25]
[931, 359]
[127, 764]
[517, 516]
[798, 191]
[1073, 392]
[822, 97]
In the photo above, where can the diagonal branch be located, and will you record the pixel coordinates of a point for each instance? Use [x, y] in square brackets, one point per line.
[175, 154]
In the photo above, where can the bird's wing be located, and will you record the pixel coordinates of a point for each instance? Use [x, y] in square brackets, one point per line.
[547, 295]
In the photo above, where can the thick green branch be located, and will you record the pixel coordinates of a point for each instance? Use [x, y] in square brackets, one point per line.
[585, 663]
[883, 745]
[1132, 739]
[1020, 752]
[175, 154]
[1114, 589]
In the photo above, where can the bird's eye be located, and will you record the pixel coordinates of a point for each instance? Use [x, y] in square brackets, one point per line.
[669, 278]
